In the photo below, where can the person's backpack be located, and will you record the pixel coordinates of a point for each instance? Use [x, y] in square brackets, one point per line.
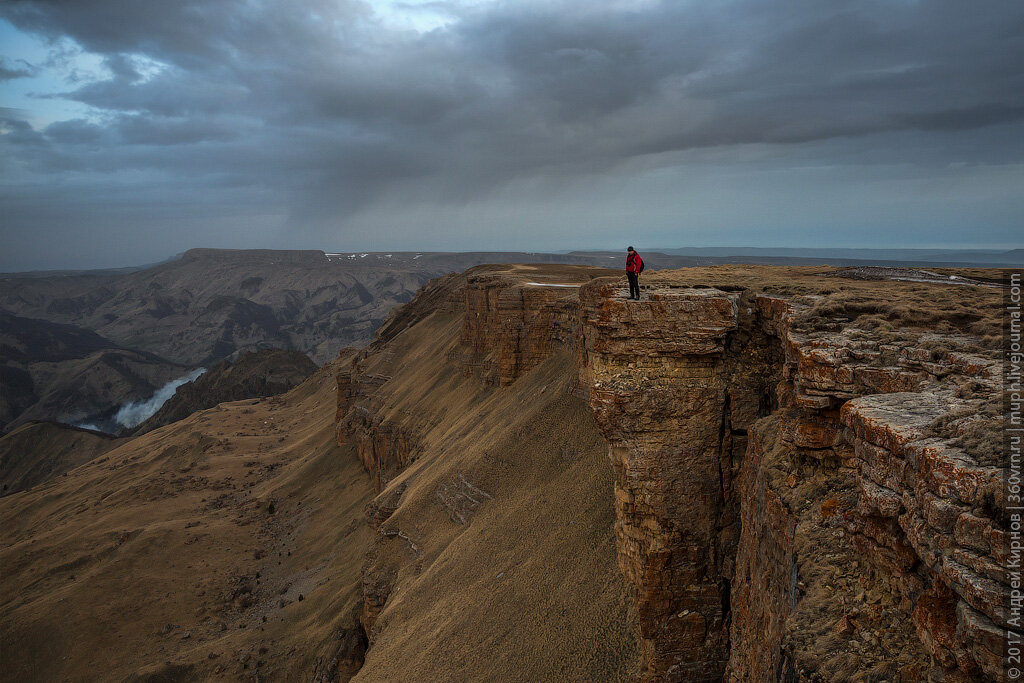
[641, 269]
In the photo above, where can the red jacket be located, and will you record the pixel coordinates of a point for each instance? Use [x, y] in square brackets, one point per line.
[633, 262]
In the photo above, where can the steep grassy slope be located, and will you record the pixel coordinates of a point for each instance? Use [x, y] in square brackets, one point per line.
[37, 451]
[166, 554]
[243, 541]
[494, 556]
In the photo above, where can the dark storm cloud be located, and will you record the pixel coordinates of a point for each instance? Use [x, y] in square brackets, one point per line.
[18, 69]
[318, 110]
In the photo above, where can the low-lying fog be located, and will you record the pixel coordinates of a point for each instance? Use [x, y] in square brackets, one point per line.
[134, 413]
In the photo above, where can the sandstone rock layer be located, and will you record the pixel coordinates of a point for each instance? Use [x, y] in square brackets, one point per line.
[787, 504]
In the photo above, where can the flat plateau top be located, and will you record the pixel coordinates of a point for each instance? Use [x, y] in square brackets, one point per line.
[964, 303]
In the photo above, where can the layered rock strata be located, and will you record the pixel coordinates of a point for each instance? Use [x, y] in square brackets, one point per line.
[859, 410]
[928, 512]
[784, 509]
[510, 326]
[385, 449]
[674, 385]
[816, 490]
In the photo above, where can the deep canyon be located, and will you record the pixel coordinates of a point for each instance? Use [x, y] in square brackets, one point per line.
[752, 474]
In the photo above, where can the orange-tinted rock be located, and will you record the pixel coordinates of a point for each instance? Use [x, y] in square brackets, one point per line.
[706, 527]
[986, 641]
[384, 449]
[935, 619]
[953, 543]
[765, 579]
[811, 430]
[511, 325]
[673, 384]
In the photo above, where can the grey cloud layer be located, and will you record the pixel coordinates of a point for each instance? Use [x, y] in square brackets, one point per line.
[316, 110]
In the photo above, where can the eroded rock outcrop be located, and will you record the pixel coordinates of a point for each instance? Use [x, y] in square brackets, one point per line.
[723, 414]
[786, 508]
[510, 325]
[674, 403]
[929, 513]
[894, 496]
[385, 449]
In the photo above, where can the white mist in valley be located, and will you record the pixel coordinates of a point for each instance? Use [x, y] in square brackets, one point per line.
[135, 413]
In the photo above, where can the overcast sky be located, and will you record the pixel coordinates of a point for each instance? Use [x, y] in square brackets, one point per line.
[134, 129]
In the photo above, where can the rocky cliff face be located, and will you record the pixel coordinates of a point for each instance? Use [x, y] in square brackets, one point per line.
[493, 513]
[930, 514]
[509, 326]
[854, 412]
[799, 492]
[674, 387]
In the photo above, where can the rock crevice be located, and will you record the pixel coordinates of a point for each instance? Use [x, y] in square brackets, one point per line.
[754, 461]
[784, 509]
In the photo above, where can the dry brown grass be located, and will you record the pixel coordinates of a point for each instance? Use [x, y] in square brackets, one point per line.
[977, 428]
[175, 527]
[168, 528]
[522, 583]
[911, 307]
[38, 451]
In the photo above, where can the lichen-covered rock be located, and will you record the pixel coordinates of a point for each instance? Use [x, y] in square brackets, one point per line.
[945, 517]
[663, 372]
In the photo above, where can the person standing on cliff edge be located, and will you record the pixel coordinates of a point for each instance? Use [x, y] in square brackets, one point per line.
[634, 266]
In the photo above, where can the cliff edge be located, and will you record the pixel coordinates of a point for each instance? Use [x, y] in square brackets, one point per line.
[751, 474]
[805, 486]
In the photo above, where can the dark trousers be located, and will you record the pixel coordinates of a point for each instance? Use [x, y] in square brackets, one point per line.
[634, 284]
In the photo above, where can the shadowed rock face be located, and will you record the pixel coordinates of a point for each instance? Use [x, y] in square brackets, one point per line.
[510, 326]
[51, 371]
[929, 513]
[674, 387]
[784, 509]
[254, 374]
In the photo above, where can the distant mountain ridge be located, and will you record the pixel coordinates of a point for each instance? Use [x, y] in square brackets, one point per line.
[27, 340]
[210, 303]
[56, 371]
[76, 345]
